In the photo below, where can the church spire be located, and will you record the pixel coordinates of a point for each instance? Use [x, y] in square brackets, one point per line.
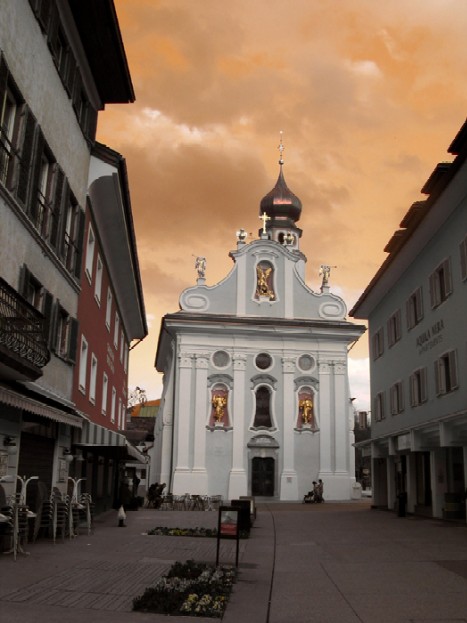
[283, 208]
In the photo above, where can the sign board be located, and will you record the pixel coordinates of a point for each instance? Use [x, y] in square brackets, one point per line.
[228, 527]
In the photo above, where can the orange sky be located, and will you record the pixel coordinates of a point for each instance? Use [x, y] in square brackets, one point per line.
[368, 94]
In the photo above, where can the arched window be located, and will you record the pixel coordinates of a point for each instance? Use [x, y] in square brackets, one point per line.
[263, 408]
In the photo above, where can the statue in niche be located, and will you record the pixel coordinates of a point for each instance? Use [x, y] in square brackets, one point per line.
[305, 407]
[306, 415]
[219, 403]
[263, 282]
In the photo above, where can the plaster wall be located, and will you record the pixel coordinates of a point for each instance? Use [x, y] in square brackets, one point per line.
[441, 329]
[41, 86]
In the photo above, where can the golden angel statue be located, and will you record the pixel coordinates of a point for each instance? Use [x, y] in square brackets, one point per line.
[262, 286]
[306, 408]
[219, 403]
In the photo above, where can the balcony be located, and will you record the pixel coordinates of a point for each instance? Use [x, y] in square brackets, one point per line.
[23, 347]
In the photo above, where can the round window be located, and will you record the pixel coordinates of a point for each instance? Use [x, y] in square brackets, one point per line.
[263, 361]
[221, 359]
[306, 362]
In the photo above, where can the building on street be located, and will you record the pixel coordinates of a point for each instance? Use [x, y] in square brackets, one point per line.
[416, 305]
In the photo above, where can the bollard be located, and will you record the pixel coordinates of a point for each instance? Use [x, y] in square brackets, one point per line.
[121, 517]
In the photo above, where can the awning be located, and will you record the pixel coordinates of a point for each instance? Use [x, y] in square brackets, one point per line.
[19, 401]
[108, 443]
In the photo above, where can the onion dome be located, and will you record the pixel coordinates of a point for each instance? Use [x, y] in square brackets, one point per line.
[280, 203]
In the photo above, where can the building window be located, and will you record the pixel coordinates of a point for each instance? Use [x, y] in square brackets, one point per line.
[463, 257]
[83, 364]
[396, 398]
[440, 283]
[394, 328]
[263, 361]
[10, 126]
[414, 308]
[121, 419]
[446, 373]
[71, 235]
[418, 387]
[108, 311]
[98, 284]
[41, 210]
[116, 329]
[65, 336]
[263, 408]
[378, 343]
[122, 346]
[125, 359]
[105, 391]
[379, 407]
[114, 401]
[90, 254]
[93, 379]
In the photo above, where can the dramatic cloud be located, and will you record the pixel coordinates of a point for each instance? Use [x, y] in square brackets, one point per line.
[369, 96]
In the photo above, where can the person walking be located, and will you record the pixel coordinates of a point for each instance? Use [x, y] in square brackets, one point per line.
[320, 490]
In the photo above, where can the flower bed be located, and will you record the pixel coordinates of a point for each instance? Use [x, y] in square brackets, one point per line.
[201, 532]
[190, 589]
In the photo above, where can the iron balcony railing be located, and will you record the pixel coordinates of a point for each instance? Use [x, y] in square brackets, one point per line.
[22, 327]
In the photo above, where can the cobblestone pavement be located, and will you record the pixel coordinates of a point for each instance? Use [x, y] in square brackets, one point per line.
[327, 563]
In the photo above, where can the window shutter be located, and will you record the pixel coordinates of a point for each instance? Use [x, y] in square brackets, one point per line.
[91, 124]
[26, 156]
[433, 290]
[3, 81]
[61, 247]
[408, 313]
[53, 326]
[448, 276]
[44, 13]
[453, 369]
[392, 400]
[52, 29]
[412, 390]
[423, 384]
[439, 377]
[24, 276]
[79, 243]
[57, 207]
[77, 87]
[73, 340]
[36, 171]
[47, 310]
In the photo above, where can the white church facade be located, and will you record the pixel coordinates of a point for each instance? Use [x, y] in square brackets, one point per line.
[256, 396]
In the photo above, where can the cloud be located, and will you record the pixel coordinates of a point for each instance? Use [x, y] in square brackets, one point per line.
[369, 96]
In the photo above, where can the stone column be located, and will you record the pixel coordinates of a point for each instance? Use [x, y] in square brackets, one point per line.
[238, 481]
[391, 482]
[199, 474]
[289, 482]
[183, 417]
[438, 480]
[411, 483]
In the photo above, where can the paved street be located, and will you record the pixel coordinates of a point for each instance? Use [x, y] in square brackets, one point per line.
[334, 562]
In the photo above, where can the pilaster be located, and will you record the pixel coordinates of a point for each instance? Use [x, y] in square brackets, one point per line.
[182, 471]
[238, 481]
[289, 482]
[199, 473]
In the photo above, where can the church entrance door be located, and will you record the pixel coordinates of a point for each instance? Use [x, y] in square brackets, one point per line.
[262, 476]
